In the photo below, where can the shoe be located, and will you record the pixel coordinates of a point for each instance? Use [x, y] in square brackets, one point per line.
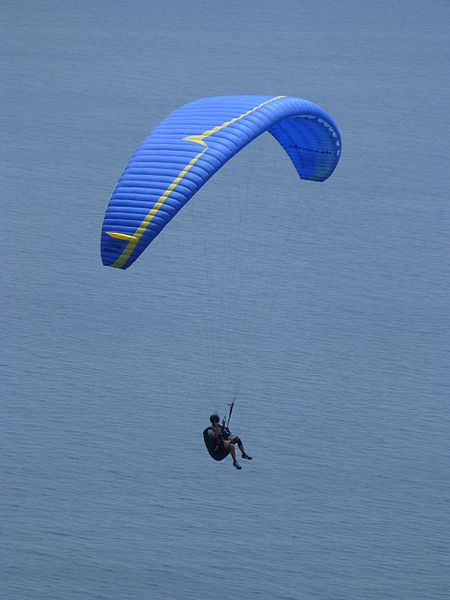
[246, 456]
[236, 465]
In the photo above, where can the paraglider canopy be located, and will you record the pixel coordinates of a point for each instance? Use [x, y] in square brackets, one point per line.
[191, 144]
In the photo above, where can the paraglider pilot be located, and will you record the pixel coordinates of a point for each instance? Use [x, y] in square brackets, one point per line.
[224, 435]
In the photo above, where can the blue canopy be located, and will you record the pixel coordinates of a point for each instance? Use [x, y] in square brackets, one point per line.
[191, 144]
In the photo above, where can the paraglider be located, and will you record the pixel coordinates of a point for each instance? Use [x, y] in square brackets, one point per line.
[220, 442]
[183, 152]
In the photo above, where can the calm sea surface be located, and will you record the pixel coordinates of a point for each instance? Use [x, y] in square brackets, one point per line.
[321, 308]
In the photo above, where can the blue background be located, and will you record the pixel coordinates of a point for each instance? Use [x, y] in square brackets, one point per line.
[331, 324]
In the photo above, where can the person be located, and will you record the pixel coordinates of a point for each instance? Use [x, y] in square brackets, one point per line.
[222, 433]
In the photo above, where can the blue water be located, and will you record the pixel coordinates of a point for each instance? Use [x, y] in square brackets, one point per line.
[331, 325]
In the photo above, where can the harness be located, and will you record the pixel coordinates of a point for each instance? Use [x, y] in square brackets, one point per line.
[215, 446]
